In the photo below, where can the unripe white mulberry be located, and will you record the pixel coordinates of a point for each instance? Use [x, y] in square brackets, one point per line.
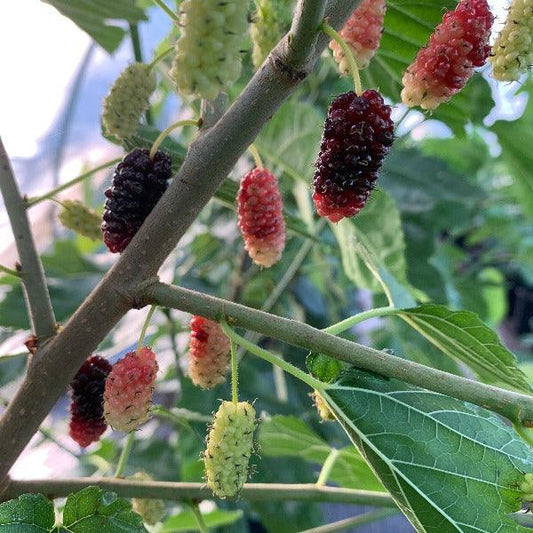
[151, 510]
[79, 218]
[264, 30]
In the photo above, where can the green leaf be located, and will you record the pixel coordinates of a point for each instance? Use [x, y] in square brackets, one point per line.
[29, 513]
[449, 465]
[92, 16]
[186, 521]
[323, 367]
[462, 335]
[93, 509]
[288, 436]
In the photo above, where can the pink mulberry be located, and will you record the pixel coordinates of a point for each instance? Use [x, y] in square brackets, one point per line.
[362, 33]
[129, 388]
[209, 353]
[458, 45]
[260, 209]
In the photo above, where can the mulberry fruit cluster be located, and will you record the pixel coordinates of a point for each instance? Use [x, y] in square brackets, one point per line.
[209, 351]
[458, 45]
[264, 30]
[127, 100]
[151, 510]
[358, 133]
[229, 447]
[322, 407]
[512, 53]
[138, 184]
[86, 409]
[79, 218]
[362, 33]
[260, 209]
[208, 53]
[128, 390]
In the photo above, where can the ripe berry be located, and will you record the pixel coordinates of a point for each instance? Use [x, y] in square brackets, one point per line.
[79, 218]
[151, 510]
[264, 30]
[362, 33]
[138, 184]
[86, 409]
[458, 45]
[358, 133]
[512, 53]
[209, 350]
[260, 209]
[229, 447]
[208, 52]
[127, 100]
[128, 390]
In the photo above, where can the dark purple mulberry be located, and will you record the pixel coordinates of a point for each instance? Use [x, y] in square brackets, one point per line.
[138, 184]
[358, 133]
[87, 421]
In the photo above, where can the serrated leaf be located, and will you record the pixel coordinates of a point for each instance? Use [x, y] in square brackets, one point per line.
[450, 466]
[93, 17]
[29, 513]
[93, 509]
[288, 436]
[462, 335]
[186, 521]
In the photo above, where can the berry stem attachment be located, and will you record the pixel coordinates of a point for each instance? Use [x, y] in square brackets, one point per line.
[145, 327]
[234, 373]
[125, 454]
[255, 154]
[9, 271]
[167, 10]
[352, 65]
[347, 323]
[327, 467]
[202, 526]
[166, 131]
[159, 57]
[272, 359]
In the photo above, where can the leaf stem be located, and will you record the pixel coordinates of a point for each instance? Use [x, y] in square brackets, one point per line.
[234, 373]
[327, 467]
[353, 522]
[123, 459]
[255, 154]
[160, 57]
[167, 10]
[145, 327]
[9, 271]
[162, 136]
[525, 433]
[38, 199]
[138, 55]
[352, 64]
[347, 323]
[202, 526]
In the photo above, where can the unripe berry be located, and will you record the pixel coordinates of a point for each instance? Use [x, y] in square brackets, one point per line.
[128, 390]
[127, 100]
[87, 413]
[512, 53]
[79, 218]
[229, 447]
[260, 209]
[362, 33]
[151, 510]
[264, 30]
[358, 133]
[458, 45]
[138, 184]
[209, 351]
[322, 407]
[208, 52]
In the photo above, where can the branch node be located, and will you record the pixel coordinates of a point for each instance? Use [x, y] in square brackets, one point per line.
[144, 292]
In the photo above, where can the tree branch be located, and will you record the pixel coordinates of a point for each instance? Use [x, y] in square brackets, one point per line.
[207, 164]
[40, 311]
[516, 407]
[57, 488]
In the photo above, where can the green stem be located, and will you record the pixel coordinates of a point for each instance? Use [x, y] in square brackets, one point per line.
[145, 327]
[162, 136]
[234, 374]
[202, 526]
[160, 57]
[125, 454]
[273, 359]
[525, 433]
[353, 522]
[179, 415]
[38, 199]
[255, 154]
[347, 323]
[352, 64]
[9, 271]
[327, 467]
[138, 55]
[167, 10]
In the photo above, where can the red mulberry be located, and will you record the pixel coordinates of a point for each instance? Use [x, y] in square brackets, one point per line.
[138, 184]
[87, 413]
[260, 209]
[357, 135]
[209, 351]
[458, 45]
[362, 33]
[128, 390]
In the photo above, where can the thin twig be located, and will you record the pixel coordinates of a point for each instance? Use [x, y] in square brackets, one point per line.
[353, 522]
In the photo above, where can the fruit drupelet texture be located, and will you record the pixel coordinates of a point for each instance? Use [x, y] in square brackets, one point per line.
[209, 351]
[265, 30]
[229, 447]
[362, 33]
[78, 217]
[458, 45]
[358, 133]
[129, 388]
[151, 510]
[138, 184]
[260, 210]
[86, 409]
